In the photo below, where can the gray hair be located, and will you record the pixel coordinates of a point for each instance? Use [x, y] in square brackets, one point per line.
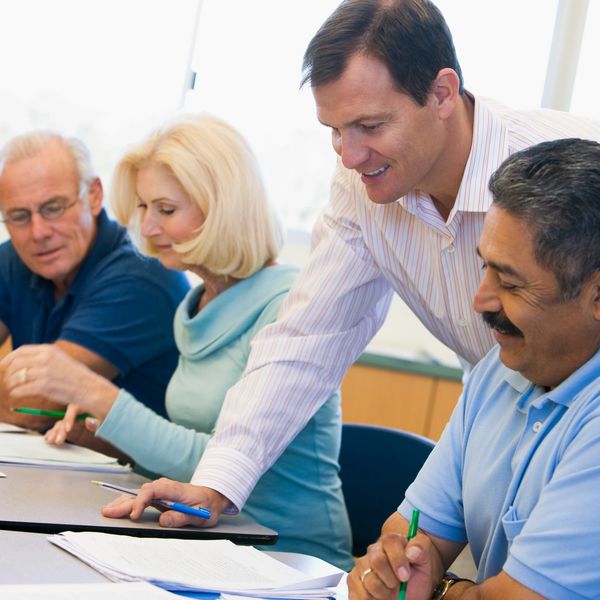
[29, 144]
[555, 188]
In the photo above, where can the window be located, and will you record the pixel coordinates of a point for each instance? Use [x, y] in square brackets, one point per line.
[110, 70]
[103, 70]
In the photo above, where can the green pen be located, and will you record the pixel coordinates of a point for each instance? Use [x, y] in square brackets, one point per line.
[58, 414]
[412, 531]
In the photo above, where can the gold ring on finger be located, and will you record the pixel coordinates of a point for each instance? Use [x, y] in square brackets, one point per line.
[22, 375]
[365, 573]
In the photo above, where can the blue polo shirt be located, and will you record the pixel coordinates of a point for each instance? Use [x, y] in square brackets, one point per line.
[517, 475]
[120, 306]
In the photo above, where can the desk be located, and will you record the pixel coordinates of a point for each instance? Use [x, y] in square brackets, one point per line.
[52, 500]
[31, 558]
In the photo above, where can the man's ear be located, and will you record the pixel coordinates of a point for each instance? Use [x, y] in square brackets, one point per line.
[445, 91]
[592, 290]
[95, 196]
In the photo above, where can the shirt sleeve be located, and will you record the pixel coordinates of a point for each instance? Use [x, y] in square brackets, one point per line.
[126, 320]
[152, 441]
[337, 304]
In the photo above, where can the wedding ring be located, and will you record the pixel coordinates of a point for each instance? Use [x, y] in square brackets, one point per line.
[365, 573]
[22, 375]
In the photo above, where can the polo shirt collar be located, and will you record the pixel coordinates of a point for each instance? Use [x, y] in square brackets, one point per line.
[565, 394]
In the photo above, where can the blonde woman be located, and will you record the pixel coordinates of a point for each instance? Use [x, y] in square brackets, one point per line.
[194, 192]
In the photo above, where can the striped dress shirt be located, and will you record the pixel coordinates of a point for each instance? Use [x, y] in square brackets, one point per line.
[362, 253]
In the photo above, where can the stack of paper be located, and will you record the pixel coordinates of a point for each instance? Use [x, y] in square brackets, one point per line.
[31, 449]
[200, 566]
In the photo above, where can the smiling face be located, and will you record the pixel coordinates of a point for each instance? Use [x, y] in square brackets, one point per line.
[383, 134]
[168, 214]
[54, 249]
[544, 339]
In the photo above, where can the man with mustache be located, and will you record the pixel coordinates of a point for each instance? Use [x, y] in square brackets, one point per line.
[516, 473]
[70, 276]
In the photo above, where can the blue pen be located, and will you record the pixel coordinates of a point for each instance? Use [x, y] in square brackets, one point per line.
[176, 506]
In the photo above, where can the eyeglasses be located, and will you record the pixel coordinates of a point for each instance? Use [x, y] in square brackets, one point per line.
[50, 211]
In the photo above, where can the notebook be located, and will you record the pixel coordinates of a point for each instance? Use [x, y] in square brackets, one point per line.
[30, 449]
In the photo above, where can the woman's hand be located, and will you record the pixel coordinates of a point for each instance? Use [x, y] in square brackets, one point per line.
[58, 434]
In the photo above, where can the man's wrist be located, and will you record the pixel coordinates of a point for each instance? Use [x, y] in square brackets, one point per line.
[450, 584]
[219, 501]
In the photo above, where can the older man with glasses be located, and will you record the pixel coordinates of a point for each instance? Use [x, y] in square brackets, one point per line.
[70, 276]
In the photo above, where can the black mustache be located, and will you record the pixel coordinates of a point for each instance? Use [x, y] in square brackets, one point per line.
[499, 321]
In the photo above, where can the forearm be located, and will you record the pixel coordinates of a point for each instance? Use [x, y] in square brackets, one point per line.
[152, 441]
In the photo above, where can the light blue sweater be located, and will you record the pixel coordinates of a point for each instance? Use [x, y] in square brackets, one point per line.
[300, 496]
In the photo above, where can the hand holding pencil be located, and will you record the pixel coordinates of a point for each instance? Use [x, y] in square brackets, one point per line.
[52, 376]
[402, 564]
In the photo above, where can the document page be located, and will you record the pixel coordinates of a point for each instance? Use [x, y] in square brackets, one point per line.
[32, 449]
[201, 565]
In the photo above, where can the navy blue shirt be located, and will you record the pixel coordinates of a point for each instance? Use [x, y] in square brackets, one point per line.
[120, 306]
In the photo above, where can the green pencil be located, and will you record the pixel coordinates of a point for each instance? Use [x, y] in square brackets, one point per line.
[412, 531]
[58, 414]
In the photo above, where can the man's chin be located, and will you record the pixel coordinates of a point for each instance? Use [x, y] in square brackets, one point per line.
[50, 272]
[380, 197]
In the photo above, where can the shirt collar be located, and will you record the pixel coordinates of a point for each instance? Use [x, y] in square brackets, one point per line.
[565, 394]
[489, 148]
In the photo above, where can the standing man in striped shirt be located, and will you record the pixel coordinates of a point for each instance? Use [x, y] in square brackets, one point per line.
[408, 199]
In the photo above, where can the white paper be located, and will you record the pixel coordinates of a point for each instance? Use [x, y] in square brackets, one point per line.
[197, 565]
[89, 591]
[10, 428]
[2, 474]
[31, 449]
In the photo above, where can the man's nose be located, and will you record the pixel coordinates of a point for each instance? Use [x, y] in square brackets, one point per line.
[351, 150]
[40, 227]
[486, 299]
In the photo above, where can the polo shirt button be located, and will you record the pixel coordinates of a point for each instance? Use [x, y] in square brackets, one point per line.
[451, 248]
[462, 322]
[537, 426]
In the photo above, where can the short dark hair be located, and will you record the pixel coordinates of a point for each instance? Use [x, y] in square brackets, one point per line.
[409, 36]
[555, 188]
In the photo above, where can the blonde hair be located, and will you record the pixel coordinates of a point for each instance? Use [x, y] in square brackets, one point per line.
[218, 171]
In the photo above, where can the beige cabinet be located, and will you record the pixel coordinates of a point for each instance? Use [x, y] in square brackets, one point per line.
[413, 401]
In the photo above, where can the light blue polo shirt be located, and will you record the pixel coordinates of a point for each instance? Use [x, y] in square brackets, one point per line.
[517, 475]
